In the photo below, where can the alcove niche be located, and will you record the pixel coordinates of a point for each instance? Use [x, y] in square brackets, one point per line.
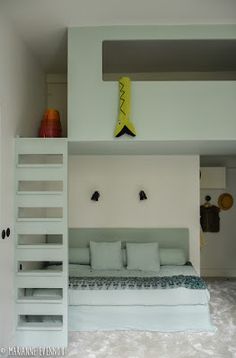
[151, 60]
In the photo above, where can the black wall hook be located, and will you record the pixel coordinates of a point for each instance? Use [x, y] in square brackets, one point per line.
[95, 196]
[142, 195]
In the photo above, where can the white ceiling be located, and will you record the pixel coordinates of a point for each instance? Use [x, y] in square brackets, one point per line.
[42, 23]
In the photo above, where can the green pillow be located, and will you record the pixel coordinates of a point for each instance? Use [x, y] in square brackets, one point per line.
[106, 255]
[172, 257]
[143, 256]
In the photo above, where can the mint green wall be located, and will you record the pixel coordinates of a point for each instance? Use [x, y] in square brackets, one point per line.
[174, 110]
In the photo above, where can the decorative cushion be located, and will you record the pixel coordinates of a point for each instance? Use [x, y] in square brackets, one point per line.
[168, 256]
[79, 255]
[143, 256]
[106, 255]
[172, 257]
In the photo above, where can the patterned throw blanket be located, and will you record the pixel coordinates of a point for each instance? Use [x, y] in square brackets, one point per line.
[122, 283]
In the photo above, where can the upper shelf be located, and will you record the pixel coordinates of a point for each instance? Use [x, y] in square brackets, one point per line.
[164, 147]
[151, 60]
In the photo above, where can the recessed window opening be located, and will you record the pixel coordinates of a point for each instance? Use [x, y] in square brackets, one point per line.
[152, 60]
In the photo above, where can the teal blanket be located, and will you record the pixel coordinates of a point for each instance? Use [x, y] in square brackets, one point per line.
[121, 283]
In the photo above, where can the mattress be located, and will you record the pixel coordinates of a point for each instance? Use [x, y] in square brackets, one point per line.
[87, 294]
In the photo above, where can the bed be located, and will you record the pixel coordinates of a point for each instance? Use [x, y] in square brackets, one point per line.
[173, 299]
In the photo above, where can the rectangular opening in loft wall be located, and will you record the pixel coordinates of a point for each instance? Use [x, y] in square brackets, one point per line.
[39, 294]
[40, 213]
[28, 186]
[40, 239]
[40, 159]
[151, 60]
[45, 267]
[40, 321]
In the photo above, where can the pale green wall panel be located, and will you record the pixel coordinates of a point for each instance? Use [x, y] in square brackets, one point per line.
[173, 110]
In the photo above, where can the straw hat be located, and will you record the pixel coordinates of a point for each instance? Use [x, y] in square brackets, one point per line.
[225, 201]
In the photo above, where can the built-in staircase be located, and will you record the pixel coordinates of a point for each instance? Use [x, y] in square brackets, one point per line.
[41, 267]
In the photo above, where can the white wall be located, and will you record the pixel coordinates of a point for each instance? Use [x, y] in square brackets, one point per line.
[22, 101]
[218, 256]
[170, 182]
[57, 97]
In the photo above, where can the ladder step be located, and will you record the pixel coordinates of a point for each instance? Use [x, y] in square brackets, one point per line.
[40, 174]
[42, 201]
[41, 145]
[53, 227]
[41, 281]
[40, 254]
[39, 309]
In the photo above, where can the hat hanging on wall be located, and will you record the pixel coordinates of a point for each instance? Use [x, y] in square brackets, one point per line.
[225, 201]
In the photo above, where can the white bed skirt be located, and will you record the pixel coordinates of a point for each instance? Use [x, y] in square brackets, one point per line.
[145, 318]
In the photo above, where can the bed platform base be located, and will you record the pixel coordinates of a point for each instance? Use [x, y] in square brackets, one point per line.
[195, 318]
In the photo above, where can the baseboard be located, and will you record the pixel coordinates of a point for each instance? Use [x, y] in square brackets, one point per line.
[218, 272]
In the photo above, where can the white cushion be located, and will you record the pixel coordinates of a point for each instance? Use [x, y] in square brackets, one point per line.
[172, 257]
[143, 256]
[106, 255]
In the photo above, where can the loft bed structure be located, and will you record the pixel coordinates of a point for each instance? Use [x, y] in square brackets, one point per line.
[173, 116]
[44, 270]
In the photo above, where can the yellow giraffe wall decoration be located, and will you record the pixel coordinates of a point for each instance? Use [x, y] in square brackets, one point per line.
[124, 125]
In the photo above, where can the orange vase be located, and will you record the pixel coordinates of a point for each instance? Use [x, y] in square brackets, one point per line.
[50, 124]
